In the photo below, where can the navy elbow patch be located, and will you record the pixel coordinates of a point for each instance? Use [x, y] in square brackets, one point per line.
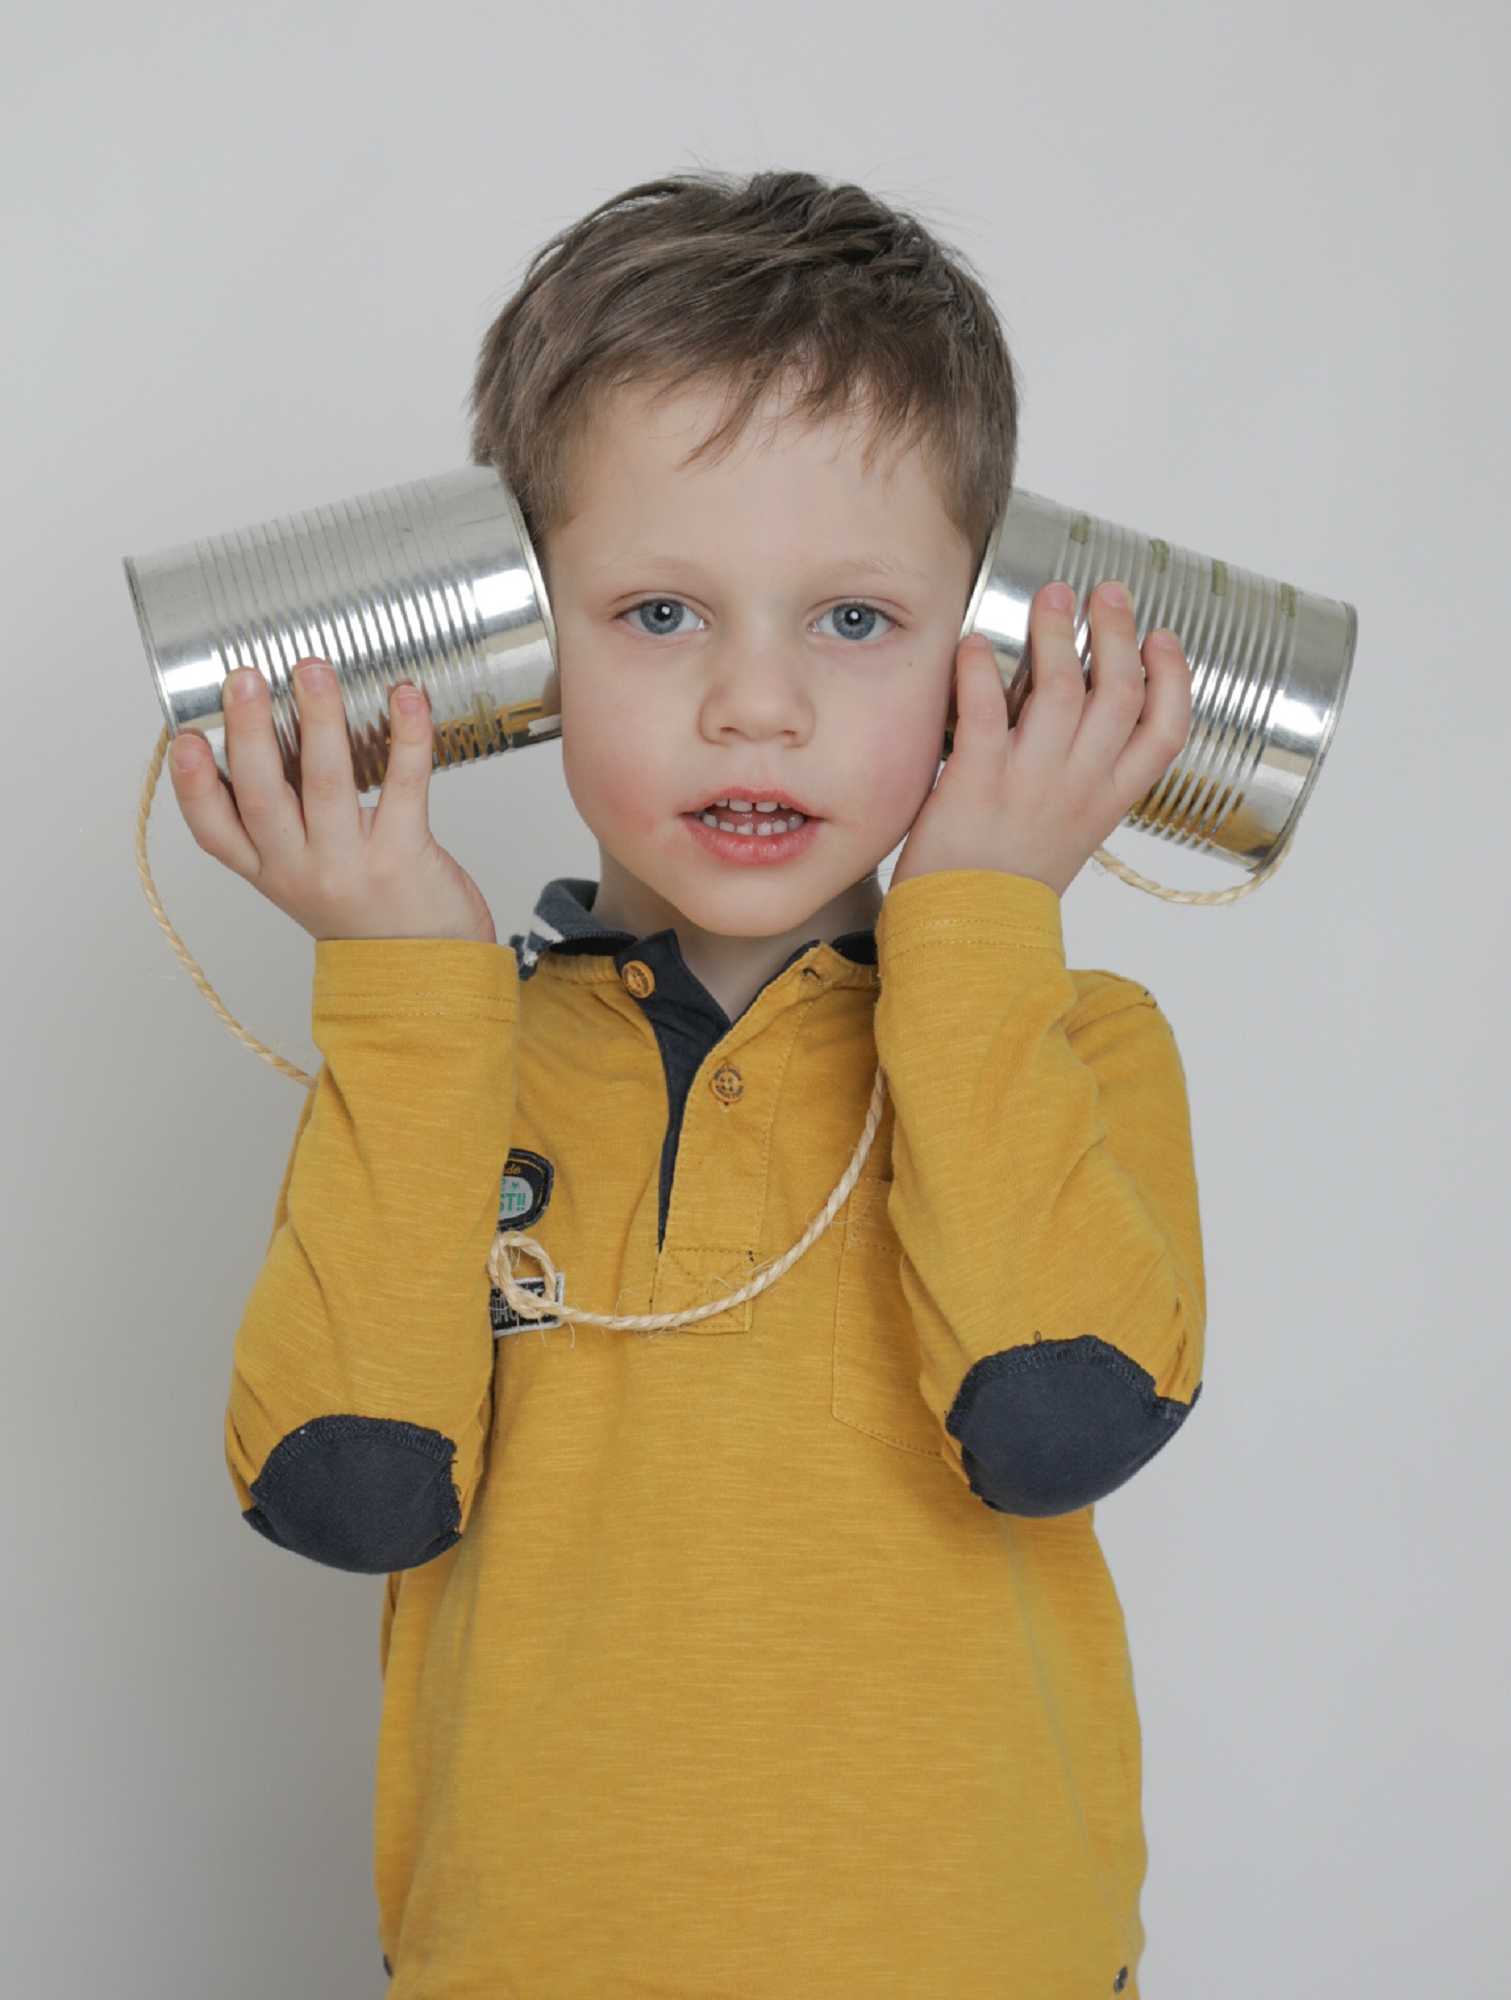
[370, 1494]
[1055, 1425]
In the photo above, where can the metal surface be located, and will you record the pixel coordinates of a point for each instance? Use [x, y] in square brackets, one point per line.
[434, 582]
[1269, 667]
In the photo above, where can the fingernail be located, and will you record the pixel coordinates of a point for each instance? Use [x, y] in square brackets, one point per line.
[244, 683]
[1115, 595]
[1061, 597]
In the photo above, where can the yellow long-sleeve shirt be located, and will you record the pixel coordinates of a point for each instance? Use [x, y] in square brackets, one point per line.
[773, 1656]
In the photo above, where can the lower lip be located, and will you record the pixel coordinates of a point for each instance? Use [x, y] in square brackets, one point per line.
[753, 850]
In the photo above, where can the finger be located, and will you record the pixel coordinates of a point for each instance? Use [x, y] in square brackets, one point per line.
[209, 805]
[978, 707]
[1117, 681]
[1164, 729]
[1048, 718]
[327, 787]
[403, 806]
[264, 797]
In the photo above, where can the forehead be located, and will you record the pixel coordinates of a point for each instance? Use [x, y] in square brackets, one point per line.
[673, 422]
[646, 441]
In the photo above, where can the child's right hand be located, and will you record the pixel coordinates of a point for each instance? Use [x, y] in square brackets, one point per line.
[340, 870]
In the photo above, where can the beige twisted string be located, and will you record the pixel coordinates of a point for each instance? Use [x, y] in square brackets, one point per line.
[149, 889]
[500, 1265]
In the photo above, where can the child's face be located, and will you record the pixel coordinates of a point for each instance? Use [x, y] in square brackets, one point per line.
[754, 664]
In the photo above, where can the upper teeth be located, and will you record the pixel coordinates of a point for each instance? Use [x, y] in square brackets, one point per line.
[747, 805]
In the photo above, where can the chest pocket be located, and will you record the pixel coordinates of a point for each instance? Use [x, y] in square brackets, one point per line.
[876, 1359]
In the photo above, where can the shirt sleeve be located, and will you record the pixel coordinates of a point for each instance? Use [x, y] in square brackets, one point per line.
[362, 1378]
[1043, 1193]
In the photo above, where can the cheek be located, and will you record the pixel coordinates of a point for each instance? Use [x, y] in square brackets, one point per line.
[613, 793]
[636, 800]
[895, 773]
[593, 737]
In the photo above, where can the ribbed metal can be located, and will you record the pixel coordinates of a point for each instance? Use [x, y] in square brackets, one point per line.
[1270, 665]
[436, 582]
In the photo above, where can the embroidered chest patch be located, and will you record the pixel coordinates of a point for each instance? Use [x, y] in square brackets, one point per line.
[524, 1194]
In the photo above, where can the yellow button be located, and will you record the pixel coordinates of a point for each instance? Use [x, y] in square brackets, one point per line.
[639, 978]
[727, 1084]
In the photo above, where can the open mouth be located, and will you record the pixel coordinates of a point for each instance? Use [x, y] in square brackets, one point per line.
[751, 837]
[748, 820]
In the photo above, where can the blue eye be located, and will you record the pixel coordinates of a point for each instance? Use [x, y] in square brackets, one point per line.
[867, 611]
[661, 605]
[670, 605]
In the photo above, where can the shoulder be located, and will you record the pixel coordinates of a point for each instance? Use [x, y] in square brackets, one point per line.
[1099, 992]
[1115, 1016]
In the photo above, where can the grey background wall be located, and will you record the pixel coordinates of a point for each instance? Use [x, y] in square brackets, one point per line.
[1252, 265]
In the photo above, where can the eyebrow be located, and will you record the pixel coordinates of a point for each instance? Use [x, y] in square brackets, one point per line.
[851, 565]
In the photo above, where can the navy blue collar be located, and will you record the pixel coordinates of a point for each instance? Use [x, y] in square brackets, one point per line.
[563, 920]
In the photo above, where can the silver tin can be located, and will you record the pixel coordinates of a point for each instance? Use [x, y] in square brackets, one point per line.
[1269, 667]
[436, 582]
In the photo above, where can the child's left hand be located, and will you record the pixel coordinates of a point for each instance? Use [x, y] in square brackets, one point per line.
[1040, 798]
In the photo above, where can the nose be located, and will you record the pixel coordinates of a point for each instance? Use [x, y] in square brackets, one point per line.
[760, 684]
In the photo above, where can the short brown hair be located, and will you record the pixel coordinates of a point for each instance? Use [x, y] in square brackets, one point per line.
[747, 282]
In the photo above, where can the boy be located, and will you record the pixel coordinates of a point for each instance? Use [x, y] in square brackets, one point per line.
[771, 1655]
